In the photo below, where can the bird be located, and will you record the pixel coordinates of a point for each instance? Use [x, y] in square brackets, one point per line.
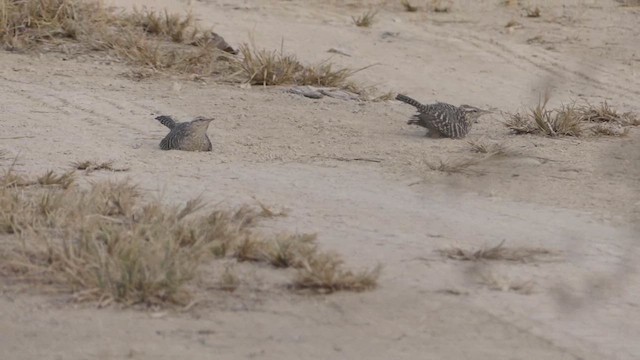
[442, 119]
[186, 136]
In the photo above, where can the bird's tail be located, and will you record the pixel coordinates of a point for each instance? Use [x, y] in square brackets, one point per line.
[408, 100]
[414, 120]
[166, 121]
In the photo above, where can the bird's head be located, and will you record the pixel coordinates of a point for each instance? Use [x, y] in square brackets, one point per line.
[472, 113]
[202, 121]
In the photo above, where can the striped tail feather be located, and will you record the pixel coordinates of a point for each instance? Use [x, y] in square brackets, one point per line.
[410, 101]
[166, 121]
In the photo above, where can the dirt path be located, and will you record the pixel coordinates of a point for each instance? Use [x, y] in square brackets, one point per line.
[576, 197]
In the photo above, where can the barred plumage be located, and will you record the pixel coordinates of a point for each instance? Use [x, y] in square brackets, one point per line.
[443, 119]
[186, 136]
[166, 121]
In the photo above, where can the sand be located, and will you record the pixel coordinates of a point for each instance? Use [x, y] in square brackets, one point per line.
[356, 174]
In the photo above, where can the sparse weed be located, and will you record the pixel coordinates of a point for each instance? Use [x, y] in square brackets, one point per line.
[160, 41]
[497, 253]
[366, 19]
[506, 283]
[533, 12]
[229, 281]
[290, 250]
[179, 29]
[487, 148]
[609, 130]
[107, 244]
[512, 24]
[388, 96]
[440, 6]
[606, 114]
[50, 178]
[325, 273]
[629, 3]
[407, 6]
[263, 67]
[90, 166]
[571, 120]
[454, 167]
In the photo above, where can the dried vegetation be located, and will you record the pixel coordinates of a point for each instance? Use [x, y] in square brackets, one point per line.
[572, 120]
[496, 253]
[155, 42]
[107, 243]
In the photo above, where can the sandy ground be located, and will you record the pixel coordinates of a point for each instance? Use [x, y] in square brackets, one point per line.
[576, 197]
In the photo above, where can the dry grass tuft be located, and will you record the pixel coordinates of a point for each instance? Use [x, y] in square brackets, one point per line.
[366, 19]
[90, 166]
[629, 3]
[533, 12]
[50, 178]
[572, 120]
[606, 114]
[290, 250]
[563, 121]
[494, 149]
[440, 6]
[156, 41]
[388, 96]
[229, 281]
[10, 179]
[506, 283]
[463, 166]
[512, 24]
[160, 41]
[325, 273]
[407, 6]
[454, 167]
[496, 253]
[263, 67]
[179, 29]
[105, 243]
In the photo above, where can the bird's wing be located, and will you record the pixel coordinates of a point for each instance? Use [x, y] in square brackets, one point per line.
[448, 120]
[166, 121]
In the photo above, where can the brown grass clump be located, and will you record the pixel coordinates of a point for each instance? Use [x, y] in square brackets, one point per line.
[407, 6]
[440, 6]
[366, 19]
[496, 253]
[106, 243]
[604, 113]
[229, 281]
[263, 67]
[563, 121]
[90, 166]
[325, 273]
[454, 167]
[179, 29]
[629, 2]
[160, 41]
[533, 12]
[572, 120]
[487, 148]
[463, 166]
